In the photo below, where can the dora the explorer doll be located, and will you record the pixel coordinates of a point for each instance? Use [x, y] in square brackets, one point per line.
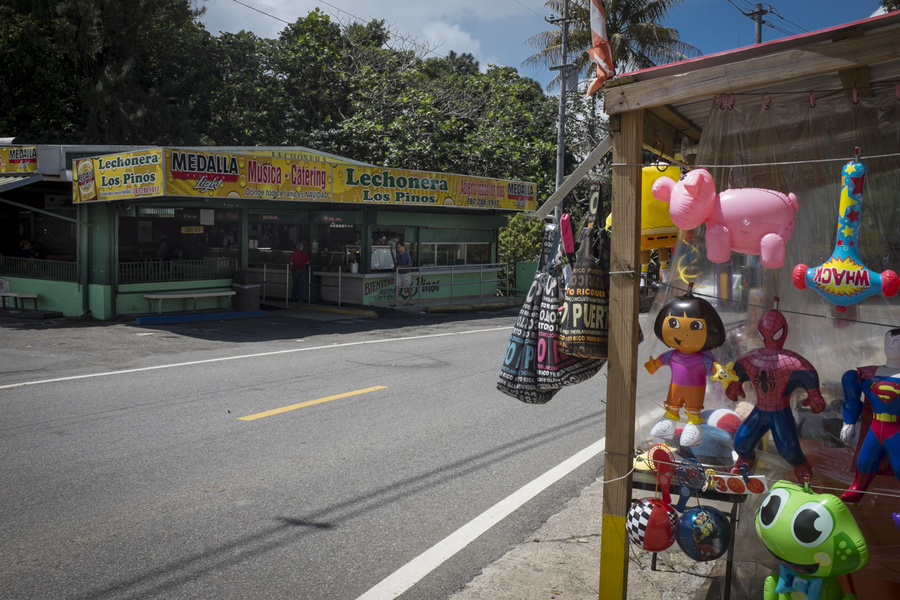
[691, 327]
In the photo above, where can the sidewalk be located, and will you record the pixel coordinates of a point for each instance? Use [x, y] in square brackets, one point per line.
[563, 561]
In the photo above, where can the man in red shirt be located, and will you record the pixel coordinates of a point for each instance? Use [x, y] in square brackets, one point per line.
[299, 262]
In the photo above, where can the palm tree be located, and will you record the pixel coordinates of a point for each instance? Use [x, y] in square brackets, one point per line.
[637, 39]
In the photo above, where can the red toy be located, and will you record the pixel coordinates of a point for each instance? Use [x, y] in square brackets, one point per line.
[774, 373]
[880, 385]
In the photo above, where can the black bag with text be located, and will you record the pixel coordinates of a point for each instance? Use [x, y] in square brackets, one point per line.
[518, 375]
[533, 370]
[584, 322]
[555, 368]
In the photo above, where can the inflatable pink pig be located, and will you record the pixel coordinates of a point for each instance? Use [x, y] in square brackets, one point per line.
[748, 220]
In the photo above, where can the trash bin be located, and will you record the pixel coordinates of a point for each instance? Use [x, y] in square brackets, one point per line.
[247, 288]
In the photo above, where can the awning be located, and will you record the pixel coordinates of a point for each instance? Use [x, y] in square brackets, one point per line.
[11, 182]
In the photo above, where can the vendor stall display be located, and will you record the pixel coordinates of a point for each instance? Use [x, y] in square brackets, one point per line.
[816, 539]
[691, 327]
[880, 385]
[774, 374]
[843, 279]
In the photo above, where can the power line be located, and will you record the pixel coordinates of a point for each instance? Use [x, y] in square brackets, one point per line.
[757, 15]
[260, 11]
[288, 22]
[338, 9]
[758, 11]
[528, 9]
[789, 22]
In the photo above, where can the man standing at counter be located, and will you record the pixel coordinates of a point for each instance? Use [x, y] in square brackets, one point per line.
[299, 262]
[403, 276]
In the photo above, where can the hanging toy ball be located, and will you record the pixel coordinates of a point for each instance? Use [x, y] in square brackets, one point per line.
[703, 533]
[650, 524]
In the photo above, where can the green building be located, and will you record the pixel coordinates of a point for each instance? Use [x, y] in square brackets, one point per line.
[96, 230]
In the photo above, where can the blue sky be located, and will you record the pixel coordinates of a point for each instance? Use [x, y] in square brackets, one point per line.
[495, 31]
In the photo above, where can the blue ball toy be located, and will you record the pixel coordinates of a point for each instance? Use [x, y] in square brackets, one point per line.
[703, 533]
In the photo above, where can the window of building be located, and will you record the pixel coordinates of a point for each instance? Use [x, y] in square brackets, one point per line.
[442, 254]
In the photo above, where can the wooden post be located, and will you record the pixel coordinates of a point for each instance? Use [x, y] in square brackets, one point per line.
[627, 131]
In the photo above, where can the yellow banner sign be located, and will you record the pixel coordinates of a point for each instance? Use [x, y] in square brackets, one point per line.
[119, 176]
[374, 185]
[219, 175]
[480, 192]
[192, 229]
[18, 160]
[209, 174]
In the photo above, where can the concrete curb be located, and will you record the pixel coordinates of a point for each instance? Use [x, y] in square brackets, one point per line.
[198, 317]
[340, 310]
[451, 308]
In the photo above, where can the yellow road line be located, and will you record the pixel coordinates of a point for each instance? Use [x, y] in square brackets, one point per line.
[278, 411]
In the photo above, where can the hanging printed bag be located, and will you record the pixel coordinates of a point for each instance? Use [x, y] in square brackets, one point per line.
[518, 375]
[556, 369]
[533, 370]
[584, 322]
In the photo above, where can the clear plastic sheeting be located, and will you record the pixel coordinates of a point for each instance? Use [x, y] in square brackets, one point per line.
[792, 147]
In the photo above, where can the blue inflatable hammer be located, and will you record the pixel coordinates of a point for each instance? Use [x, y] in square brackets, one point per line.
[843, 279]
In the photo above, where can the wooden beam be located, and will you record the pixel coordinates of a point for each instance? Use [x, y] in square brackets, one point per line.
[621, 387]
[768, 71]
[682, 125]
[572, 180]
[856, 82]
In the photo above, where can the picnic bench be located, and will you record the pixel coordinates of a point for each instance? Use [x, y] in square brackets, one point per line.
[160, 296]
[17, 297]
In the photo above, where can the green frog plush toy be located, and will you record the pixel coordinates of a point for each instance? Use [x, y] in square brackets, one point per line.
[816, 539]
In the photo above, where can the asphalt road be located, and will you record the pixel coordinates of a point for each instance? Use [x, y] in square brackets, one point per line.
[152, 462]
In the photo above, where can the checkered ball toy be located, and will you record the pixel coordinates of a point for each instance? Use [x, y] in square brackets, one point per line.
[650, 523]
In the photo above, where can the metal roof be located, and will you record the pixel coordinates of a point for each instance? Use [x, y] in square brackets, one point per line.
[11, 182]
[860, 58]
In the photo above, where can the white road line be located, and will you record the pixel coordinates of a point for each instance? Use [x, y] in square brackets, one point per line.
[245, 356]
[412, 572]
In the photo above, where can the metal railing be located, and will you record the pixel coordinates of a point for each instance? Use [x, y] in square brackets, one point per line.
[487, 273]
[148, 271]
[276, 281]
[487, 282]
[39, 268]
[506, 281]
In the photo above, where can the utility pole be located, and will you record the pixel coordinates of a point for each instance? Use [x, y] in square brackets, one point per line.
[563, 81]
[758, 17]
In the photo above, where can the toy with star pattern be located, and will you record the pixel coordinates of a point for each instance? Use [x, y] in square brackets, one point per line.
[843, 279]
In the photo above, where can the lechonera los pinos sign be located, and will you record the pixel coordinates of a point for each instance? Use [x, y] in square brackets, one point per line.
[193, 173]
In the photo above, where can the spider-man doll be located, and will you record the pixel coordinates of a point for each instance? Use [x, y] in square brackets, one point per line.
[774, 373]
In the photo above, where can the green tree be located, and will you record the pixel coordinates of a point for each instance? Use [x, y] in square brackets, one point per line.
[636, 37]
[890, 5]
[520, 241]
[39, 99]
[245, 106]
[309, 63]
[107, 71]
[443, 114]
[142, 65]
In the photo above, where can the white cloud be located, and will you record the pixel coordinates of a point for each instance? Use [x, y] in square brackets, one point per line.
[450, 37]
[491, 30]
